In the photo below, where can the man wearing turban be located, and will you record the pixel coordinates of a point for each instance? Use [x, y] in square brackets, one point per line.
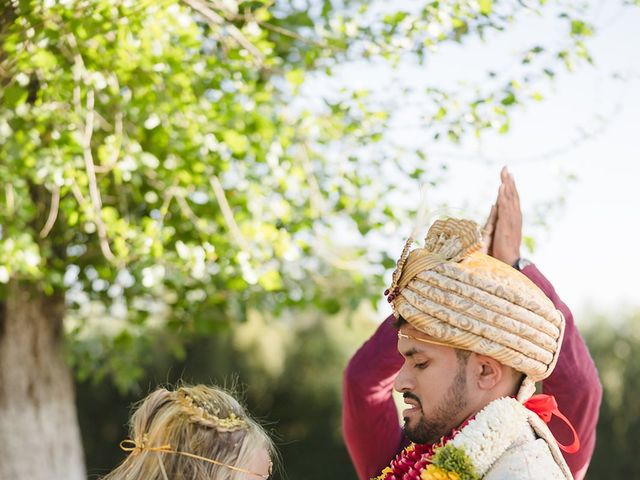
[475, 335]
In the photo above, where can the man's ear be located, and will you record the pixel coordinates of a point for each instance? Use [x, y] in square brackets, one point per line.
[488, 372]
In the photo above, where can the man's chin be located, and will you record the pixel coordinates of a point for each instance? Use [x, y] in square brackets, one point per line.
[412, 431]
[416, 431]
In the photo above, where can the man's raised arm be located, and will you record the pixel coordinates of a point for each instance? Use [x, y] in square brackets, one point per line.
[574, 382]
[370, 421]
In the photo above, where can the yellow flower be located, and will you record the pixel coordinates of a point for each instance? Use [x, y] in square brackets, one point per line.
[432, 472]
[384, 473]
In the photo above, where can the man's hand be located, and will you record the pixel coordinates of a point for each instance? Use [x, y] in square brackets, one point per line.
[502, 234]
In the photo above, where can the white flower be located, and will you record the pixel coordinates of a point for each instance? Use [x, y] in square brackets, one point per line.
[491, 432]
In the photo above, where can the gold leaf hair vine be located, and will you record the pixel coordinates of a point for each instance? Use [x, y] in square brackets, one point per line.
[205, 413]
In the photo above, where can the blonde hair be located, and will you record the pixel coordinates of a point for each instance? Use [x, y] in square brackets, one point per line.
[201, 421]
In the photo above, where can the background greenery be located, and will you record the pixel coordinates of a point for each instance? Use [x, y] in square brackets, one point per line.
[299, 398]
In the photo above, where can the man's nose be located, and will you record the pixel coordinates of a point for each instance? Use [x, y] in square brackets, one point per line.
[404, 381]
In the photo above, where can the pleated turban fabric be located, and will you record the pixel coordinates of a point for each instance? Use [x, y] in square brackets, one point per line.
[452, 292]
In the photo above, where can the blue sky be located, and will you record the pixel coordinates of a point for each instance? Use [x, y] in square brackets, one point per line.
[590, 246]
[588, 126]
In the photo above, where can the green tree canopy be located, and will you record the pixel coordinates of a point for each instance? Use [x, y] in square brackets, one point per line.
[165, 164]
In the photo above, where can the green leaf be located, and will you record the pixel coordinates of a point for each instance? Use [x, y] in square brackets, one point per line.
[529, 243]
[236, 142]
[580, 28]
[486, 6]
[331, 306]
[509, 99]
[271, 280]
[13, 96]
[440, 114]
[295, 77]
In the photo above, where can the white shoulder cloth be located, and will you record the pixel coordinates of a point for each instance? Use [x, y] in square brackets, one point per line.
[506, 441]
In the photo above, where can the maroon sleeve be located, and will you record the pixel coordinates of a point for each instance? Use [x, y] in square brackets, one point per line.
[574, 383]
[370, 420]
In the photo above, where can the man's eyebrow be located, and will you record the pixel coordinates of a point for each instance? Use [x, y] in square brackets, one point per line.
[411, 352]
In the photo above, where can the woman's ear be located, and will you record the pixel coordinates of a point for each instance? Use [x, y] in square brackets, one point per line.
[489, 372]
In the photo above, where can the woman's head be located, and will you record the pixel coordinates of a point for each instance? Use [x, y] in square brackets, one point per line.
[200, 433]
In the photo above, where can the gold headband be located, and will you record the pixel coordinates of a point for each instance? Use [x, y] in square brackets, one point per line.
[424, 340]
[135, 447]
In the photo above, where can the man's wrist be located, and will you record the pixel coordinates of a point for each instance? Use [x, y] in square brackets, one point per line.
[521, 263]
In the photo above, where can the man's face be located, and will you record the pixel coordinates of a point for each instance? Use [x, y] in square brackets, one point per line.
[433, 382]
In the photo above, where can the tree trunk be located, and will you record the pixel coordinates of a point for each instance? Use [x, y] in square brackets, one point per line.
[39, 433]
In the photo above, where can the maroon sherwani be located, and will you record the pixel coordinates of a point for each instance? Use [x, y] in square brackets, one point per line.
[370, 423]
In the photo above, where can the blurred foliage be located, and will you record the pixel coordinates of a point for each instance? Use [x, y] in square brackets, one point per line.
[614, 343]
[161, 162]
[290, 378]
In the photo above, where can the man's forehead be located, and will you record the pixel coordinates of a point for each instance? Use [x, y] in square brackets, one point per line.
[409, 329]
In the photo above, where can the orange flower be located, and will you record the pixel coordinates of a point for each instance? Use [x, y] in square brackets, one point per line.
[433, 472]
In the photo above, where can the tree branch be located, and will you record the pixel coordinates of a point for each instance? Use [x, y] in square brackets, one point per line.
[227, 214]
[11, 204]
[215, 20]
[94, 192]
[77, 193]
[113, 159]
[53, 212]
[315, 194]
[187, 212]
[291, 34]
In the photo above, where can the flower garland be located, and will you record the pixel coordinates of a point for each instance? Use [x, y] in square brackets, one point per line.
[414, 459]
[466, 454]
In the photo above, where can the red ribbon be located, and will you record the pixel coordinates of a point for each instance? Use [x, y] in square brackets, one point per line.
[545, 406]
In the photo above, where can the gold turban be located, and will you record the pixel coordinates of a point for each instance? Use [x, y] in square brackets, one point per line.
[452, 292]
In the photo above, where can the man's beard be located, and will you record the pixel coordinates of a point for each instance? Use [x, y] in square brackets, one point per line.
[433, 429]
